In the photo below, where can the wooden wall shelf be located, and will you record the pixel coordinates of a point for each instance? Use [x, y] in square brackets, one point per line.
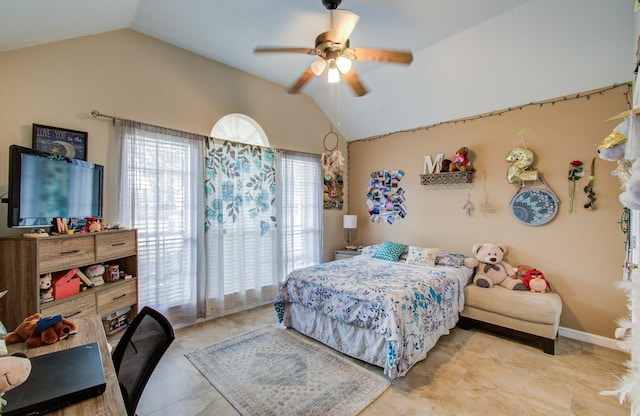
[444, 178]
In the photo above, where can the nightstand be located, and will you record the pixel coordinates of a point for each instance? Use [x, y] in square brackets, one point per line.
[345, 253]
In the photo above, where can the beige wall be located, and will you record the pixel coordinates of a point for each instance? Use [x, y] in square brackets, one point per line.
[130, 75]
[581, 253]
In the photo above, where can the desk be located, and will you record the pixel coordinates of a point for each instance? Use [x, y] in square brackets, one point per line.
[90, 329]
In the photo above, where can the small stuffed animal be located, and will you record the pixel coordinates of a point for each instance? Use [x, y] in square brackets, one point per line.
[535, 281]
[460, 161]
[93, 225]
[614, 147]
[491, 269]
[95, 273]
[37, 331]
[15, 370]
[522, 270]
[46, 290]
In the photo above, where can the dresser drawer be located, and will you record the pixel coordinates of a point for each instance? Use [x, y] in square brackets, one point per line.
[113, 245]
[122, 294]
[80, 306]
[57, 254]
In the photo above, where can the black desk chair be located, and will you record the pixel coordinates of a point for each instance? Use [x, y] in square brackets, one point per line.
[138, 352]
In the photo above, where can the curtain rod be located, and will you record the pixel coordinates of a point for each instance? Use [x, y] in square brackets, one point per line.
[98, 114]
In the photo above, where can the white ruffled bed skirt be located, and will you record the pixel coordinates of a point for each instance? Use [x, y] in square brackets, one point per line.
[354, 341]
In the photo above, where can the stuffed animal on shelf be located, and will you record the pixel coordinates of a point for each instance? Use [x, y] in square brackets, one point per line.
[535, 281]
[446, 163]
[93, 225]
[491, 269]
[37, 331]
[460, 161]
[95, 273]
[46, 290]
[15, 370]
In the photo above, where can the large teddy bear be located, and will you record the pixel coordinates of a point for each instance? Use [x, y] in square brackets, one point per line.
[491, 270]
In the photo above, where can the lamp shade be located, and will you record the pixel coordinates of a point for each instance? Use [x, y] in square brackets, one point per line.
[318, 66]
[333, 76]
[350, 221]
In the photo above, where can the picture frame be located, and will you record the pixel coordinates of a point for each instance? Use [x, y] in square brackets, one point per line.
[56, 140]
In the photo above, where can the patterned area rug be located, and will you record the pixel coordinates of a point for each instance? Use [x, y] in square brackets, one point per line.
[275, 371]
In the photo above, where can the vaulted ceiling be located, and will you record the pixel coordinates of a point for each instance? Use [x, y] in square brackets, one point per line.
[470, 57]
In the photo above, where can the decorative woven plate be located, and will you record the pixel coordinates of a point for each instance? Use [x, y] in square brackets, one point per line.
[534, 206]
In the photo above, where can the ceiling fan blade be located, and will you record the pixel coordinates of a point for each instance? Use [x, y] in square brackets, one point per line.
[263, 49]
[384, 55]
[304, 78]
[354, 82]
[342, 24]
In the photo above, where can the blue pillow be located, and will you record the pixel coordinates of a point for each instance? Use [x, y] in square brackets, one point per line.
[389, 251]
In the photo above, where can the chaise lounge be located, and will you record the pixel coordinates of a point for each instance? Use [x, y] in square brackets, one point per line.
[533, 317]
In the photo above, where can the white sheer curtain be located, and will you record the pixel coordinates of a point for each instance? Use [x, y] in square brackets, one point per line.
[299, 210]
[240, 234]
[161, 194]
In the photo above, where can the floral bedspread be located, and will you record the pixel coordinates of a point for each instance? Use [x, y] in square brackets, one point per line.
[410, 306]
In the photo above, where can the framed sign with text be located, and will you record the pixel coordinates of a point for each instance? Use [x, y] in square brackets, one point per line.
[64, 142]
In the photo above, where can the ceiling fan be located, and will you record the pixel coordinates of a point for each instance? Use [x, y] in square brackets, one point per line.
[336, 55]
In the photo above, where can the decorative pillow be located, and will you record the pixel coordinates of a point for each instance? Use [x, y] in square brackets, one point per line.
[450, 259]
[389, 251]
[421, 256]
[368, 251]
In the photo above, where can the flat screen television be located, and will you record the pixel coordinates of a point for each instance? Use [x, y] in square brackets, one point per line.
[44, 186]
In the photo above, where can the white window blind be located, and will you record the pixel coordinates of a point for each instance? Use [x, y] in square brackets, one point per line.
[161, 196]
[300, 210]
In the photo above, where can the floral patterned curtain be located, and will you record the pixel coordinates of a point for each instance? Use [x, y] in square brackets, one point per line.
[240, 236]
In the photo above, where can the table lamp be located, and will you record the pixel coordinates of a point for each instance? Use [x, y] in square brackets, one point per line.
[350, 222]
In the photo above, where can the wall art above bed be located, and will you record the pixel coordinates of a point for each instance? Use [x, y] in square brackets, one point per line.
[385, 197]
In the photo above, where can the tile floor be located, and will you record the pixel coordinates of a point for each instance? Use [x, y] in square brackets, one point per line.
[467, 373]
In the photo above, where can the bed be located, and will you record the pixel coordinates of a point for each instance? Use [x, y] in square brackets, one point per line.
[387, 313]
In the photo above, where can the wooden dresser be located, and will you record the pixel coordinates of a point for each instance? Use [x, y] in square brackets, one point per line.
[24, 260]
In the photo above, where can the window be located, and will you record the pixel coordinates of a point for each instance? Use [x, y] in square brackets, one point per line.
[240, 128]
[300, 210]
[161, 196]
[219, 239]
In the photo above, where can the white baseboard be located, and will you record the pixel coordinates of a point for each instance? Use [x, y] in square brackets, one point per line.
[590, 338]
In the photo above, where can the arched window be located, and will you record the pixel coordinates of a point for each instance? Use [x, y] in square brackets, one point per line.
[240, 128]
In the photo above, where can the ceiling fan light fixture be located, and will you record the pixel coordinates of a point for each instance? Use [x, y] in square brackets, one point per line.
[318, 66]
[343, 64]
[333, 75]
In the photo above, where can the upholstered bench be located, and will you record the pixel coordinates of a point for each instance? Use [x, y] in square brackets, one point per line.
[530, 316]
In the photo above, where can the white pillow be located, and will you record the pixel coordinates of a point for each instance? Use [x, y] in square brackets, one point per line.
[421, 256]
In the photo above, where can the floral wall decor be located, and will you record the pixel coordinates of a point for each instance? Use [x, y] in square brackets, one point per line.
[592, 200]
[385, 197]
[576, 172]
